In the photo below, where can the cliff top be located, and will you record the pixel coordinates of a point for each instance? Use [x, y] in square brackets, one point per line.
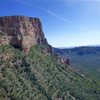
[18, 16]
[21, 31]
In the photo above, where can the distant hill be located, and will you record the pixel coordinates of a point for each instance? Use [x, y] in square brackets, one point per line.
[85, 58]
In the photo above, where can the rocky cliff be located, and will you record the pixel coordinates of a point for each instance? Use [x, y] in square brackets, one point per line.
[20, 31]
[24, 32]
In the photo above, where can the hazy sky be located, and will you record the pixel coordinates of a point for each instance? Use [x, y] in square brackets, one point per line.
[65, 23]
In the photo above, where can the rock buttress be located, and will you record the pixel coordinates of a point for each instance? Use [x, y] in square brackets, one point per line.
[21, 31]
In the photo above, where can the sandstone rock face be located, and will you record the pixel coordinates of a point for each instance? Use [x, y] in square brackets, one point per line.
[21, 31]
[65, 61]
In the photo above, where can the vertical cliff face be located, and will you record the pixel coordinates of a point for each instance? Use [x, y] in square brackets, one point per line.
[21, 31]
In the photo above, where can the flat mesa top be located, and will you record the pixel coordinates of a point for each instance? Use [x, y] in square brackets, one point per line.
[17, 16]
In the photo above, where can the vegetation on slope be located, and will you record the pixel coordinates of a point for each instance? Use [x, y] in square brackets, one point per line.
[39, 76]
[86, 59]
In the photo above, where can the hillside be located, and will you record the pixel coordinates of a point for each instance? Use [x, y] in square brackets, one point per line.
[39, 76]
[36, 73]
[86, 59]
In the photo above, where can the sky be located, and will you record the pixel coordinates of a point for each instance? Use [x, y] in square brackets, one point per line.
[66, 23]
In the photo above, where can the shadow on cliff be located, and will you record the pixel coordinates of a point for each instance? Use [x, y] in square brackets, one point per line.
[16, 43]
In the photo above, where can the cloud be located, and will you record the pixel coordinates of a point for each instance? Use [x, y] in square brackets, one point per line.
[57, 16]
[23, 2]
[54, 14]
[45, 10]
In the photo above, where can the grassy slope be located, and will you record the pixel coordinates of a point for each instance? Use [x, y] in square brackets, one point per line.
[39, 76]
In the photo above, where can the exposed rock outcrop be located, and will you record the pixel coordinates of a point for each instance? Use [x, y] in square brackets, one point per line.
[21, 31]
[65, 61]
